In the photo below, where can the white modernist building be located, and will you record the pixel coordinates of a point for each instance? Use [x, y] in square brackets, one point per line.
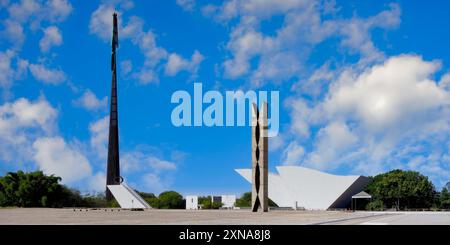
[191, 202]
[127, 197]
[300, 187]
[228, 201]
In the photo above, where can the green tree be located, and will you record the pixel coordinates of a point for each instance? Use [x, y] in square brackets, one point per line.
[35, 189]
[444, 199]
[170, 200]
[206, 202]
[402, 189]
[150, 198]
[376, 205]
[246, 201]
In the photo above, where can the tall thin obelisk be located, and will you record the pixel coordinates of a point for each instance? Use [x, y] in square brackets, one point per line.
[260, 145]
[113, 167]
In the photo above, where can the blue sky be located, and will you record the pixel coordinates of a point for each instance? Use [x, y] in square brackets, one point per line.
[364, 87]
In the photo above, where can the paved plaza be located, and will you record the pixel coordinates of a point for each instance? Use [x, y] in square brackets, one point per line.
[219, 217]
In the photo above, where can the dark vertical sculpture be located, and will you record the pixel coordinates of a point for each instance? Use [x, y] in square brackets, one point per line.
[260, 172]
[113, 167]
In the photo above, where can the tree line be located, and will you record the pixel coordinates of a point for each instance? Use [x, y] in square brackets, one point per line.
[405, 190]
[398, 189]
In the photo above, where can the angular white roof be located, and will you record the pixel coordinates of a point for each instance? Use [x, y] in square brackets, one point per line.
[127, 197]
[296, 186]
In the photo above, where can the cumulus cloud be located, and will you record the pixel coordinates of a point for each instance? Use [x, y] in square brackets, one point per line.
[54, 156]
[101, 21]
[99, 137]
[29, 139]
[52, 37]
[12, 68]
[155, 56]
[137, 159]
[155, 171]
[24, 113]
[176, 63]
[21, 122]
[97, 182]
[13, 32]
[332, 142]
[377, 118]
[126, 67]
[33, 14]
[146, 166]
[47, 75]
[58, 10]
[293, 154]
[281, 56]
[90, 102]
[186, 5]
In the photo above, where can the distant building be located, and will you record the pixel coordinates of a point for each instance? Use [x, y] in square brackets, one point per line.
[191, 202]
[228, 201]
[299, 187]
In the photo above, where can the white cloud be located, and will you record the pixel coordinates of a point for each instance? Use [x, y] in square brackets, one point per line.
[143, 165]
[21, 122]
[126, 67]
[52, 37]
[332, 142]
[281, 56]
[90, 102]
[101, 21]
[176, 63]
[12, 68]
[137, 160]
[46, 75]
[397, 92]
[6, 71]
[153, 183]
[36, 10]
[293, 154]
[155, 57]
[29, 139]
[186, 5]
[301, 115]
[97, 182]
[54, 156]
[23, 10]
[315, 85]
[379, 117]
[58, 10]
[14, 33]
[32, 14]
[154, 171]
[99, 137]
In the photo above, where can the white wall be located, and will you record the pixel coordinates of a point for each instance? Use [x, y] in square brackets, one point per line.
[191, 202]
[127, 197]
[229, 201]
[308, 188]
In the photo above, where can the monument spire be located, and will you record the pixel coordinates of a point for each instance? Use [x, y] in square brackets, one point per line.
[260, 160]
[113, 166]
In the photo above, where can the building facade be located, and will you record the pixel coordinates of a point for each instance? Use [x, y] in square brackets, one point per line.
[299, 187]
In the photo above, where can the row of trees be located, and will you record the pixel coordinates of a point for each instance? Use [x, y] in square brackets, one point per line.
[397, 189]
[35, 189]
[404, 190]
[165, 200]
